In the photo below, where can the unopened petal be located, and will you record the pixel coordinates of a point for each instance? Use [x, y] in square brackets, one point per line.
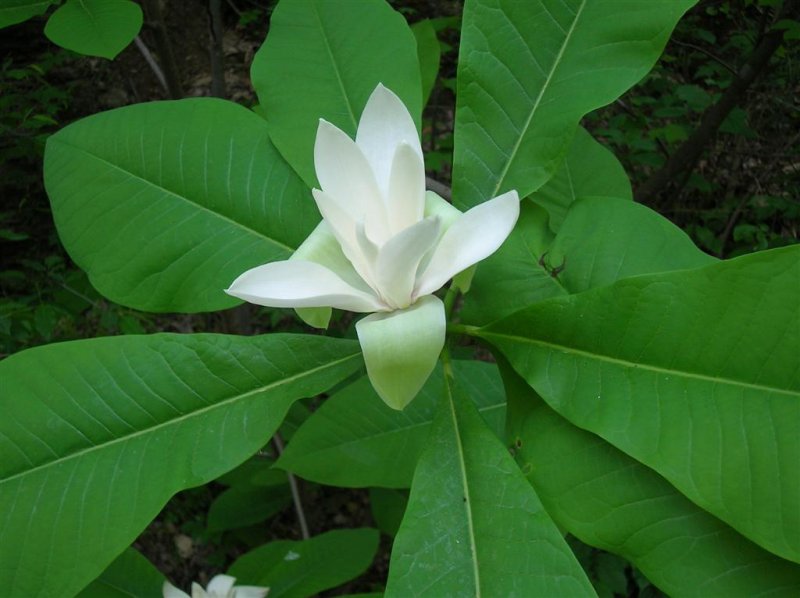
[399, 259]
[220, 585]
[435, 205]
[406, 197]
[477, 234]
[170, 591]
[384, 125]
[322, 247]
[299, 283]
[344, 173]
[401, 348]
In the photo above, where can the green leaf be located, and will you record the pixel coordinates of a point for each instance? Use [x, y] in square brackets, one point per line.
[513, 277]
[95, 27]
[429, 52]
[355, 440]
[130, 574]
[17, 11]
[296, 569]
[245, 505]
[693, 373]
[528, 71]
[98, 434]
[388, 507]
[323, 60]
[604, 240]
[164, 204]
[473, 525]
[613, 502]
[588, 170]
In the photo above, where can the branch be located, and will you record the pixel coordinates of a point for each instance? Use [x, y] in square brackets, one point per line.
[217, 55]
[164, 48]
[690, 150]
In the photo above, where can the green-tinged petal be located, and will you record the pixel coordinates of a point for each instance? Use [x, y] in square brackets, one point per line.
[384, 125]
[250, 592]
[316, 317]
[398, 260]
[170, 591]
[476, 235]
[438, 206]
[401, 348]
[345, 174]
[300, 284]
[463, 280]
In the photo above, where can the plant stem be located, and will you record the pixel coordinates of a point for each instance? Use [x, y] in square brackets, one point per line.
[463, 329]
[298, 505]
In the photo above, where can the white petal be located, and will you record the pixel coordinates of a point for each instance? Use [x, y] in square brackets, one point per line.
[343, 227]
[385, 124]
[170, 591]
[477, 234]
[406, 198]
[250, 592]
[399, 260]
[220, 585]
[198, 591]
[300, 284]
[401, 348]
[345, 174]
[322, 247]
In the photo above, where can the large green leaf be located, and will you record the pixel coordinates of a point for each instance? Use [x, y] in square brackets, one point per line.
[514, 277]
[17, 11]
[693, 373]
[613, 502]
[322, 60]
[528, 71]
[473, 525]
[588, 170]
[356, 440]
[602, 241]
[96, 436]
[95, 27]
[165, 203]
[296, 569]
[130, 575]
[599, 242]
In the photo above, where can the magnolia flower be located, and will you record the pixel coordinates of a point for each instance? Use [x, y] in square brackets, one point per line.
[220, 586]
[383, 247]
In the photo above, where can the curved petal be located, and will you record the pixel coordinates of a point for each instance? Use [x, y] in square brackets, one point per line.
[170, 591]
[343, 227]
[474, 236]
[399, 260]
[406, 196]
[345, 174]
[401, 348]
[300, 284]
[220, 585]
[385, 124]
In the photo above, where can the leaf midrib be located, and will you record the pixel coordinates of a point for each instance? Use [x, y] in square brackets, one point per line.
[177, 420]
[186, 200]
[538, 101]
[639, 365]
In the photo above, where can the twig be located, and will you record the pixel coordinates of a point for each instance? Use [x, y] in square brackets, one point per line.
[298, 505]
[164, 47]
[151, 62]
[438, 188]
[708, 53]
[215, 49]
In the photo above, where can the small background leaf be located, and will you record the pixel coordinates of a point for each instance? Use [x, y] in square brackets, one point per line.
[95, 27]
[17, 11]
[429, 52]
[297, 569]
